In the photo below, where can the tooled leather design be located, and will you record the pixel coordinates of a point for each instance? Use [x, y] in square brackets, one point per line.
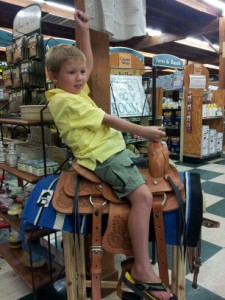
[118, 237]
[62, 201]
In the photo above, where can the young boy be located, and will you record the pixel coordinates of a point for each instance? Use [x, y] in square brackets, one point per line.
[97, 143]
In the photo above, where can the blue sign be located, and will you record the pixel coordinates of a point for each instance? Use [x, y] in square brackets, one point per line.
[166, 60]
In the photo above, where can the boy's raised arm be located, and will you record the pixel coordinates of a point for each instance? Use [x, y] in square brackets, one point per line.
[82, 30]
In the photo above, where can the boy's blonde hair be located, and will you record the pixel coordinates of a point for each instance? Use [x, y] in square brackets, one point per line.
[57, 55]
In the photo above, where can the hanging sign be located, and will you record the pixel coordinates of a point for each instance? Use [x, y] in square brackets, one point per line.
[27, 21]
[166, 60]
[197, 81]
[128, 97]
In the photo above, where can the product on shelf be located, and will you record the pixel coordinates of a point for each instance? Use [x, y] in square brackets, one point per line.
[14, 240]
[5, 202]
[15, 211]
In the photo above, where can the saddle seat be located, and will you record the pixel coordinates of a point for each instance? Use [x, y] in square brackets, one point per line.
[90, 185]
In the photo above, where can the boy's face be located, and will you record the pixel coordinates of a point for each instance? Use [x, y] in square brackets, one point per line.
[71, 77]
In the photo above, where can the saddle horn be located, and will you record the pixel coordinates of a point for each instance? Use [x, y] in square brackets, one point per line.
[158, 158]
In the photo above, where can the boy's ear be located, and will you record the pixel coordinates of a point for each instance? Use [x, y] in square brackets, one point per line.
[53, 77]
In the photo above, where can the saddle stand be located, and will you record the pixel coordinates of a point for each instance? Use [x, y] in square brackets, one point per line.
[80, 191]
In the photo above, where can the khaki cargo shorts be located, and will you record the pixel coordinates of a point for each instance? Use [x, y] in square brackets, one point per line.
[121, 173]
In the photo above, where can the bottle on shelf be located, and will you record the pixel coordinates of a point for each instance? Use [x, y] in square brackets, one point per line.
[12, 155]
[2, 153]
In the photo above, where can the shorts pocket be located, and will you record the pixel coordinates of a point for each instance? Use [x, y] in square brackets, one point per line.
[126, 173]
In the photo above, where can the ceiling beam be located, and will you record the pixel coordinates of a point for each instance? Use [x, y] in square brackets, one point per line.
[202, 7]
[148, 41]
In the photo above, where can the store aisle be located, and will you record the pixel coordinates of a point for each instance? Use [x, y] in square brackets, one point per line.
[212, 273]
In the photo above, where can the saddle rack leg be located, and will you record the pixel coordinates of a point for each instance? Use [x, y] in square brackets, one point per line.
[74, 266]
[178, 272]
[69, 259]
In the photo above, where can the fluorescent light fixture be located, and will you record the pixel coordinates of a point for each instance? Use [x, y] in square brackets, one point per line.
[57, 5]
[211, 66]
[38, 1]
[217, 4]
[193, 42]
[169, 70]
[153, 32]
[148, 69]
[61, 6]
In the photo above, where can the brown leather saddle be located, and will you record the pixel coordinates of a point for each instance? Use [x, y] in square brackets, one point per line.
[158, 176]
[80, 190]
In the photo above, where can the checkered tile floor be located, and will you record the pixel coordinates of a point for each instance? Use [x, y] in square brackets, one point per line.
[212, 273]
[211, 284]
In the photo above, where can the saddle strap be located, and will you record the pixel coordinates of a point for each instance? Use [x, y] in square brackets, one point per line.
[96, 249]
[181, 213]
[160, 239]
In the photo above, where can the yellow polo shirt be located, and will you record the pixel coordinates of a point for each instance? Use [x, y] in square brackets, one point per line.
[79, 122]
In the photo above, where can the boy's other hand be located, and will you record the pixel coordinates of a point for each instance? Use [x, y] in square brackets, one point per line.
[154, 133]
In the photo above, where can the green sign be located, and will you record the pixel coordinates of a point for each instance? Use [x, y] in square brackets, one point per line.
[166, 60]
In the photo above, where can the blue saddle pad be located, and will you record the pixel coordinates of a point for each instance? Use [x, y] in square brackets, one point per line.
[39, 212]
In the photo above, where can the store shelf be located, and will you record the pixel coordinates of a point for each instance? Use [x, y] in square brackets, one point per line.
[14, 257]
[211, 118]
[20, 174]
[194, 137]
[41, 275]
[19, 121]
[15, 224]
[171, 109]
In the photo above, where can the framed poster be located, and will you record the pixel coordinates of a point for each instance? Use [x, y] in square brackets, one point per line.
[127, 96]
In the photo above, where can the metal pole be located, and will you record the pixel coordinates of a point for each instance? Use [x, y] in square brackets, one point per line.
[153, 95]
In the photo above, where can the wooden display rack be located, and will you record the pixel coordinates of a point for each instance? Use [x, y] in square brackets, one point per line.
[37, 277]
[192, 141]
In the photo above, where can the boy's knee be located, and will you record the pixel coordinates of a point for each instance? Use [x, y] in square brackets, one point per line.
[146, 199]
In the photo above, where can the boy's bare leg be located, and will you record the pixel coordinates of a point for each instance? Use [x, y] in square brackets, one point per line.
[138, 224]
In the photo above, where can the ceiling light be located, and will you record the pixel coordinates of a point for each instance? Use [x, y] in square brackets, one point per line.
[211, 66]
[153, 32]
[61, 6]
[38, 1]
[217, 4]
[51, 3]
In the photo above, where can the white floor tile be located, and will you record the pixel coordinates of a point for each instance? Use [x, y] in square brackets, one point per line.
[219, 179]
[215, 160]
[183, 168]
[11, 285]
[213, 168]
[214, 235]
[211, 199]
[211, 275]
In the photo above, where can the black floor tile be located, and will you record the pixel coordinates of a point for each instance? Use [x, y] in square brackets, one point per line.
[221, 162]
[200, 293]
[55, 291]
[214, 188]
[217, 208]
[206, 175]
[189, 164]
[208, 250]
